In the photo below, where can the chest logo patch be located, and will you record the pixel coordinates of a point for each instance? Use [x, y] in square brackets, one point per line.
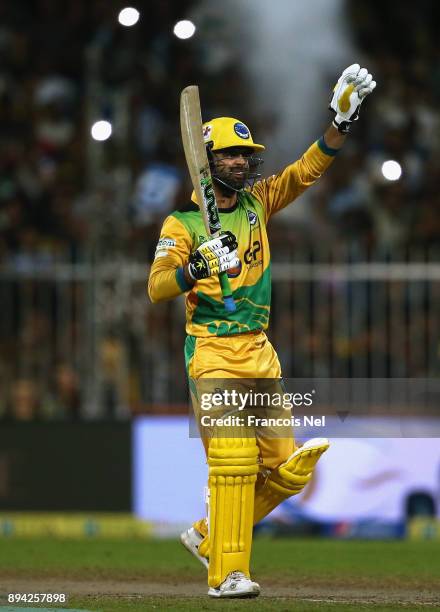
[253, 217]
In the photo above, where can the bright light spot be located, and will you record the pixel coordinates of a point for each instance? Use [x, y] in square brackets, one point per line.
[391, 170]
[101, 130]
[184, 29]
[128, 16]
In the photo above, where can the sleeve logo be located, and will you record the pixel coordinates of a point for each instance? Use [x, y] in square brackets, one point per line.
[163, 245]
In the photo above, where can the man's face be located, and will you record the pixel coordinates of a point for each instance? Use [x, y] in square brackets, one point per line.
[232, 165]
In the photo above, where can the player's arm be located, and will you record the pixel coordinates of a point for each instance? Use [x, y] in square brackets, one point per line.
[276, 192]
[279, 190]
[177, 266]
[167, 278]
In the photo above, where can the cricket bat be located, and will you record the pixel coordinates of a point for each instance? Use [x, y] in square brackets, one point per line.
[198, 166]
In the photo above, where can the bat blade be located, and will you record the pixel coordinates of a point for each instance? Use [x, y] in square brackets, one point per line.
[198, 166]
[197, 159]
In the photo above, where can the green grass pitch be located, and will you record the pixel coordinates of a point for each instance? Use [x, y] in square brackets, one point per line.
[294, 574]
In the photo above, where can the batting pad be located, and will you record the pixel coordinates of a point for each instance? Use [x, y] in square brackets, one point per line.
[233, 468]
[290, 477]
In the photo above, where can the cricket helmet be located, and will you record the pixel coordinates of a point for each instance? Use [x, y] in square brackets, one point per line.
[225, 132]
[228, 133]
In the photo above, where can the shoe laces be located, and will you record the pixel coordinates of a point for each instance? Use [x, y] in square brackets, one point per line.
[237, 575]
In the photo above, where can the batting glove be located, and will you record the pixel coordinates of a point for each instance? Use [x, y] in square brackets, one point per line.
[214, 256]
[354, 84]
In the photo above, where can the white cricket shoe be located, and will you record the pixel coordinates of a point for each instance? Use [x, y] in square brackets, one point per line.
[191, 540]
[236, 585]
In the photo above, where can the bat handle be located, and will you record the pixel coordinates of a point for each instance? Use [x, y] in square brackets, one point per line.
[228, 300]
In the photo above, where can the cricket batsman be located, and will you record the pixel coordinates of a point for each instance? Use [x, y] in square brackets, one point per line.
[249, 475]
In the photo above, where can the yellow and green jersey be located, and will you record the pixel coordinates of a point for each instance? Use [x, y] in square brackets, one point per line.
[183, 231]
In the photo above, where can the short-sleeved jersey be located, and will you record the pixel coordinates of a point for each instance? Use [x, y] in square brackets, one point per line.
[183, 231]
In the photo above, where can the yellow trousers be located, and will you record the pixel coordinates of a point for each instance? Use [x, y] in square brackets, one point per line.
[246, 357]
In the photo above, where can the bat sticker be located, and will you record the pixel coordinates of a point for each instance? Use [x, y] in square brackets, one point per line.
[210, 206]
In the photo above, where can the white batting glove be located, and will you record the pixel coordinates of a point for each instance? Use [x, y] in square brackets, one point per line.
[214, 256]
[354, 84]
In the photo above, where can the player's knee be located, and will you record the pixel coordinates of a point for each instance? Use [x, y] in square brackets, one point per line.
[233, 456]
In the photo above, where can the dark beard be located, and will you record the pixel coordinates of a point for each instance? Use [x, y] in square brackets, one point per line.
[228, 184]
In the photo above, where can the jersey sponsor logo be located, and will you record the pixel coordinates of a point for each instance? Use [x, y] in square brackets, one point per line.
[253, 217]
[241, 130]
[250, 255]
[163, 245]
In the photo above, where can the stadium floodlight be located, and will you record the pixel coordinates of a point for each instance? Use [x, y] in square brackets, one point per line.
[128, 16]
[101, 130]
[184, 29]
[391, 170]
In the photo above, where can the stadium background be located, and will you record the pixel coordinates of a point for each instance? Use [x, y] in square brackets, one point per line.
[85, 359]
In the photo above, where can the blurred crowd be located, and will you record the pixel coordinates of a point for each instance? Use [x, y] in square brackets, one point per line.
[400, 122]
[65, 199]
